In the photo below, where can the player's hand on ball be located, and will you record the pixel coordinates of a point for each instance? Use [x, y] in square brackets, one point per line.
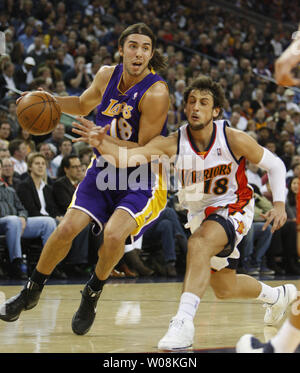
[26, 93]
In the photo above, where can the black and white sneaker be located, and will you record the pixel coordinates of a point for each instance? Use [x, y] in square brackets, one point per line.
[25, 300]
[84, 317]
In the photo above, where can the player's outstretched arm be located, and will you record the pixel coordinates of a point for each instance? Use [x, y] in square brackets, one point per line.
[124, 157]
[244, 145]
[83, 127]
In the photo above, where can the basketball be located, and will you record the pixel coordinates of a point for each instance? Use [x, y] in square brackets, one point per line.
[38, 112]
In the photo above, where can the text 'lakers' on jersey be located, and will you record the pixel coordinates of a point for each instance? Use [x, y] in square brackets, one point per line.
[211, 179]
[122, 109]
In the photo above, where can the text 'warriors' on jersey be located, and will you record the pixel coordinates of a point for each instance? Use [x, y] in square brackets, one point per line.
[211, 179]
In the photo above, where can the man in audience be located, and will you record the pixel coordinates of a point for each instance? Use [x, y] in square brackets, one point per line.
[63, 190]
[15, 223]
[18, 152]
[10, 177]
[64, 149]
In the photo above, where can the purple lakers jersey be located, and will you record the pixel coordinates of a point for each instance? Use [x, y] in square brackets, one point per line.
[122, 109]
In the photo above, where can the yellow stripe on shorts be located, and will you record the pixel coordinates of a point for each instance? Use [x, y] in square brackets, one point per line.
[154, 206]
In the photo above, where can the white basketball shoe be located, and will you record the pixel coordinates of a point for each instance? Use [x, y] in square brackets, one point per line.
[179, 336]
[275, 312]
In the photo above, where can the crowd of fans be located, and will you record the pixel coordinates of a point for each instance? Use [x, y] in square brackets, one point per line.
[60, 45]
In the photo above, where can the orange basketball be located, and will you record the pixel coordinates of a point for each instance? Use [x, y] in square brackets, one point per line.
[38, 112]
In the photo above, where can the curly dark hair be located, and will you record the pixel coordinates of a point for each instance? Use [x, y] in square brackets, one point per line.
[205, 83]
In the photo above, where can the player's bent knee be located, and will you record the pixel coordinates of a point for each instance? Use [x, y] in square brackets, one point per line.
[113, 238]
[66, 231]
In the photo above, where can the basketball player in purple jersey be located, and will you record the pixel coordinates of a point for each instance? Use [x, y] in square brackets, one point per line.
[134, 101]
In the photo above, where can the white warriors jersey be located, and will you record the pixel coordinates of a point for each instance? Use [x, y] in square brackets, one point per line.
[213, 179]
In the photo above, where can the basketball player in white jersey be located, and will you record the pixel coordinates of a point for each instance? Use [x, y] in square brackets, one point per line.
[210, 164]
[288, 337]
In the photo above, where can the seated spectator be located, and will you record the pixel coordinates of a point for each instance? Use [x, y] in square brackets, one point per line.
[60, 88]
[282, 255]
[27, 138]
[254, 246]
[85, 155]
[35, 195]
[291, 106]
[254, 175]
[15, 223]
[57, 136]
[288, 153]
[18, 152]
[24, 74]
[77, 79]
[260, 119]
[63, 190]
[242, 122]
[257, 100]
[65, 149]
[12, 118]
[167, 230]
[281, 118]
[8, 84]
[48, 151]
[264, 135]
[10, 177]
[293, 172]
[4, 152]
[38, 50]
[5, 132]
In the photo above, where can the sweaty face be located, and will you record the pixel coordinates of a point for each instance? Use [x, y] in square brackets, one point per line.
[199, 109]
[136, 53]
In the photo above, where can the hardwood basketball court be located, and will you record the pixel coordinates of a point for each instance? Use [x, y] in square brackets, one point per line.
[131, 318]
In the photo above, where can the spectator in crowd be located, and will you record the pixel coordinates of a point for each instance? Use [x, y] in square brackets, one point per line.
[15, 223]
[255, 245]
[57, 136]
[35, 195]
[8, 84]
[18, 151]
[37, 51]
[63, 190]
[167, 230]
[9, 176]
[24, 74]
[85, 154]
[77, 79]
[288, 153]
[12, 118]
[5, 132]
[65, 149]
[49, 151]
[27, 138]
[289, 94]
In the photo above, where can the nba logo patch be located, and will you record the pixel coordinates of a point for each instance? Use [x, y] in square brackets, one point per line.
[134, 96]
[219, 151]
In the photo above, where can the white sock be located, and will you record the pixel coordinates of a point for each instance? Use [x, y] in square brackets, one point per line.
[188, 306]
[268, 294]
[287, 339]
